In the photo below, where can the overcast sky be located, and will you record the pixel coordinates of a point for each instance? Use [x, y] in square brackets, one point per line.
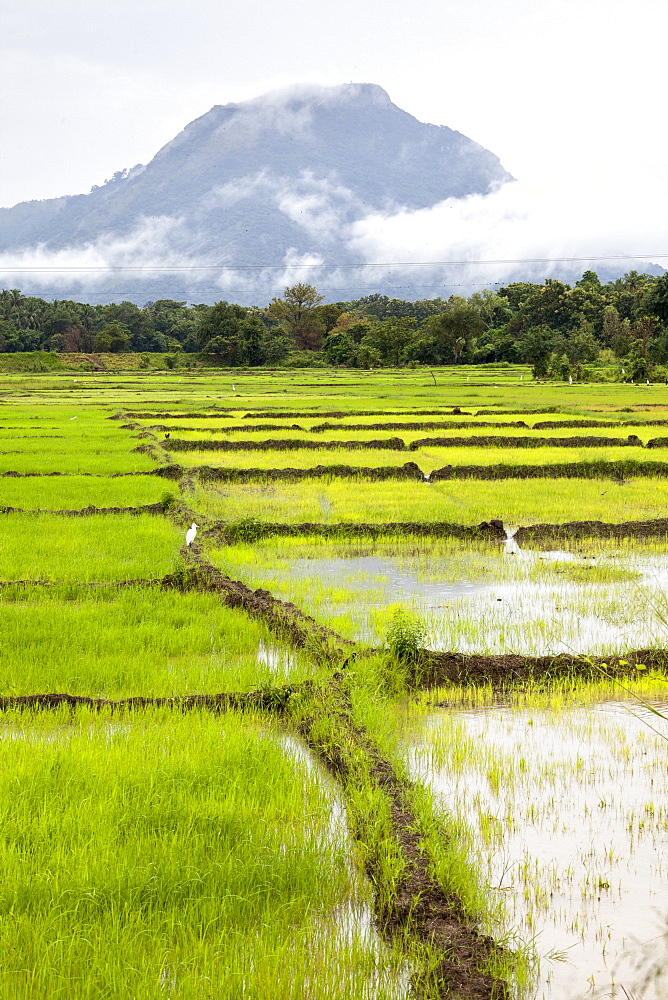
[571, 94]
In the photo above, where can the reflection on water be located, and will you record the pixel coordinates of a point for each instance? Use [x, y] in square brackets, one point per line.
[352, 921]
[280, 661]
[510, 600]
[569, 821]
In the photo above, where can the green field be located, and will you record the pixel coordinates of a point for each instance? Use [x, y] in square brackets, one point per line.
[288, 834]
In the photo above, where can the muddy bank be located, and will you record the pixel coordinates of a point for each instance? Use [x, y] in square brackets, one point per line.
[281, 617]
[234, 429]
[415, 904]
[282, 444]
[490, 441]
[596, 469]
[267, 699]
[492, 530]
[151, 451]
[397, 444]
[655, 528]
[427, 425]
[166, 415]
[618, 471]
[208, 473]
[509, 413]
[547, 424]
[148, 508]
[434, 669]
[140, 581]
[230, 533]
[333, 414]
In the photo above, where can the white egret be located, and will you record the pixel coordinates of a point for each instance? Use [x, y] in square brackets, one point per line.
[190, 534]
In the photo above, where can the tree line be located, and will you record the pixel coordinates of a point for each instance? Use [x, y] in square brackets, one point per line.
[558, 329]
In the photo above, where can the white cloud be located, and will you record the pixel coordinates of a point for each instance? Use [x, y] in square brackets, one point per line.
[91, 265]
[320, 205]
[517, 223]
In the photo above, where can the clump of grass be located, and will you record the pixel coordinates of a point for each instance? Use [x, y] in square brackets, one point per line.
[406, 635]
[154, 856]
[246, 529]
[168, 500]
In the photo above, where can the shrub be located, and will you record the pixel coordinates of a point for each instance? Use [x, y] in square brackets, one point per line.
[406, 635]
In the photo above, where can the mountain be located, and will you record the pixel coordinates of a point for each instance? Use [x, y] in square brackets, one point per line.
[257, 186]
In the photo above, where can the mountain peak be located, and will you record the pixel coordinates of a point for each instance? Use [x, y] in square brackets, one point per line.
[317, 95]
[283, 176]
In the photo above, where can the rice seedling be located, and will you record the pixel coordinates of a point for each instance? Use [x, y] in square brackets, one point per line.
[461, 501]
[176, 856]
[162, 917]
[136, 642]
[475, 597]
[76, 492]
[46, 547]
[566, 845]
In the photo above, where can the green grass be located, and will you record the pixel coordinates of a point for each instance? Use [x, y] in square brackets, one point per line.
[117, 644]
[77, 492]
[81, 550]
[464, 501]
[160, 855]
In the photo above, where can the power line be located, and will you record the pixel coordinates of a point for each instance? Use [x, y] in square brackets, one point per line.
[113, 268]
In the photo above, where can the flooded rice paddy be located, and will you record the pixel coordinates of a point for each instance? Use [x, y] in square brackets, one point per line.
[592, 597]
[351, 925]
[567, 813]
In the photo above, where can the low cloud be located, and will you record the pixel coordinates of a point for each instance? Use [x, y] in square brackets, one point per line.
[91, 265]
[518, 232]
[322, 206]
[522, 230]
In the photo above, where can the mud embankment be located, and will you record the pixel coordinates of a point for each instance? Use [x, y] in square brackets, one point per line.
[148, 508]
[282, 444]
[617, 471]
[396, 443]
[165, 415]
[543, 425]
[449, 411]
[492, 530]
[229, 533]
[208, 473]
[433, 669]
[427, 425]
[596, 469]
[416, 905]
[234, 429]
[281, 617]
[266, 699]
[655, 528]
[490, 441]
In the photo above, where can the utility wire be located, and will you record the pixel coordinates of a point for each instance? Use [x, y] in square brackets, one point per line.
[288, 266]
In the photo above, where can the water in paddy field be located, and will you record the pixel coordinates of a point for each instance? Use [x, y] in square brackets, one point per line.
[513, 600]
[352, 921]
[569, 819]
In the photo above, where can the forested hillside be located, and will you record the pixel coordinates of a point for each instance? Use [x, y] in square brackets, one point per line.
[561, 331]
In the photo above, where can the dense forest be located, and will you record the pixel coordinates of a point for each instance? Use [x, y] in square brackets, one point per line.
[616, 330]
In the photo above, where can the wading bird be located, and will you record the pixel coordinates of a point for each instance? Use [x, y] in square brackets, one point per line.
[190, 533]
